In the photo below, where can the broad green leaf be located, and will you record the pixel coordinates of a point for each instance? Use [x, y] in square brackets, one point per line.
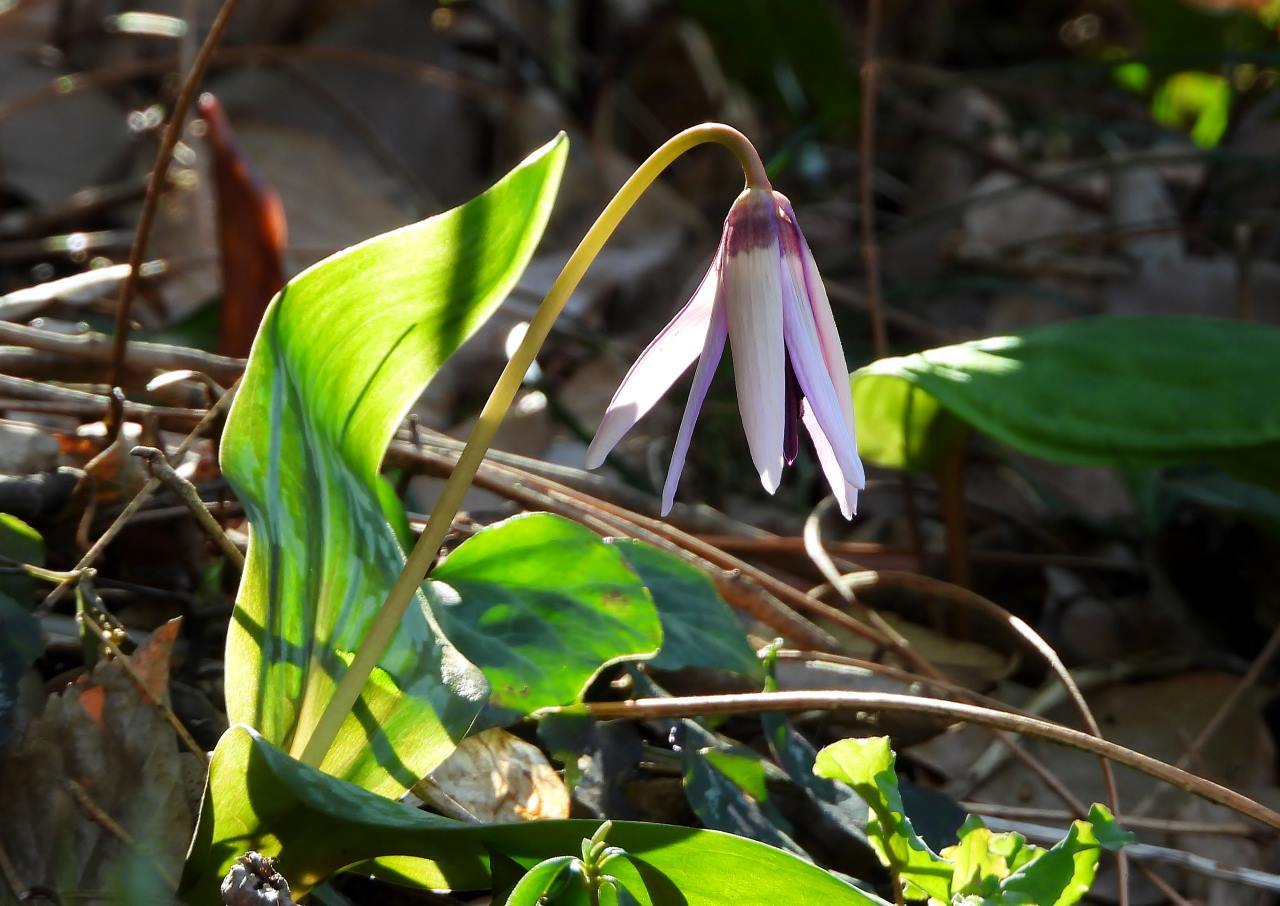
[314, 825]
[1128, 391]
[867, 765]
[1058, 877]
[343, 351]
[541, 604]
[698, 628]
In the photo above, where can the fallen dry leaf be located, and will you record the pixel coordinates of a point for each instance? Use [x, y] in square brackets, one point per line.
[496, 776]
[95, 790]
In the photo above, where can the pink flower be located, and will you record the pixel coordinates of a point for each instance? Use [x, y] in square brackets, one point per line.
[762, 293]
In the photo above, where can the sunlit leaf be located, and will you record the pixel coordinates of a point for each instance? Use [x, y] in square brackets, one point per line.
[314, 824]
[342, 353]
[1132, 391]
[698, 628]
[540, 604]
[867, 765]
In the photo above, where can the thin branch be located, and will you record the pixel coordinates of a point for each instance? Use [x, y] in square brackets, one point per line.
[97, 347]
[758, 702]
[186, 492]
[1228, 706]
[144, 494]
[159, 177]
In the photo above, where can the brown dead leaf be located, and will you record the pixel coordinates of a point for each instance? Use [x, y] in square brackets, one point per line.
[496, 776]
[97, 786]
[251, 234]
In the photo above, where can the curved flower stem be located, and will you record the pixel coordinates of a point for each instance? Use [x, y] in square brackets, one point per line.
[387, 621]
[757, 702]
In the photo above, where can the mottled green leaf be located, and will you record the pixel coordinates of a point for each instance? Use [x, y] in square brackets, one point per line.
[342, 352]
[314, 824]
[541, 604]
[1128, 391]
[698, 628]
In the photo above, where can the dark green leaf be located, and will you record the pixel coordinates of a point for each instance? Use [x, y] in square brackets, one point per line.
[342, 353]
[1132, 391]
[698, 628]
[258, 798]
[540, 604]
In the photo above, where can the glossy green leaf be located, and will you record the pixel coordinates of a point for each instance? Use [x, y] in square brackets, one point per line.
[867, 765]
[558, 881]
[698, 628]
[1134, 391]
[343, 351]
[314, 824]
[541, 604]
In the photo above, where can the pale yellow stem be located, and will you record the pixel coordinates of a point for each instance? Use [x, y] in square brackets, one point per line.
[424, 552]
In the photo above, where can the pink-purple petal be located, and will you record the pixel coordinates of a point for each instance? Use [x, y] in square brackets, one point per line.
[845, 493]
[810, 368]
[712, 351]
[670, 354]
[752, 279]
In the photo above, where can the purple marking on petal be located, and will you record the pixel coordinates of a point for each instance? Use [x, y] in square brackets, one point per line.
[805, 355]
[816, 293]
[670, 354]
[845, 493]
[791, 426]
[712, 350]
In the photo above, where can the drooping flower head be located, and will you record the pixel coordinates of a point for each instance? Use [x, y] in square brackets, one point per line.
[764, 295]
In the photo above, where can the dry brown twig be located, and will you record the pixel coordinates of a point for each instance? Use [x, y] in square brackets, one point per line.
[159, 177]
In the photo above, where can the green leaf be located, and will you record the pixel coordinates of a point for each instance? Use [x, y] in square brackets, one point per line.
[541, 604]
[726, 789]
[343, 351]
[314, 824]
[1130, 391]
[21, 543]
[698, 628]
[867, 765]
[983, 859]
[560, 880]
[1060, 876]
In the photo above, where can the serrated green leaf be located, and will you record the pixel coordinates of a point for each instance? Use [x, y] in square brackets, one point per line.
[867, 765]
[983, 859]
[1128, 391]
[313, 824]
[342, 352]
[698, 628]
[1063, 874]
[541, 604]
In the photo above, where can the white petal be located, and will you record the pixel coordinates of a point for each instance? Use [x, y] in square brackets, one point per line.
[846, 494]
[810, 367]
[806, 274]
[658, 367]
[712, 350]
[753, 305]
